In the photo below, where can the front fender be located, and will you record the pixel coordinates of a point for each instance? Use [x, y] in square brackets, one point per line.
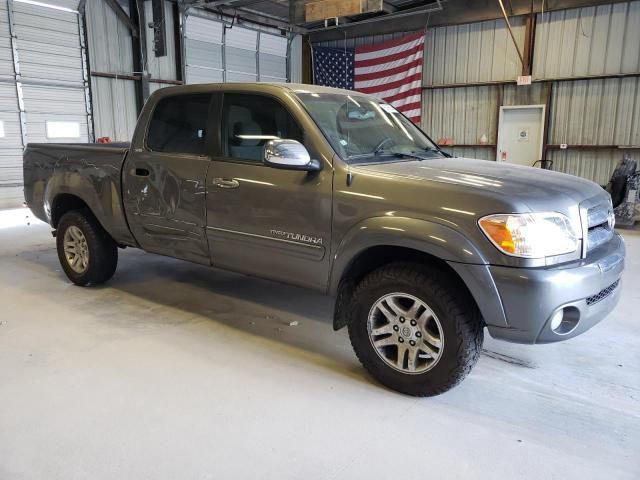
[432, 238]
[429, 237]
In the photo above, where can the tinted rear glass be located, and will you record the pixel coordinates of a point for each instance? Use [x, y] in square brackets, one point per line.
[179, 124]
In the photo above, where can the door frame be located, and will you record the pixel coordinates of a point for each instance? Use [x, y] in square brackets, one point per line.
[542, 107]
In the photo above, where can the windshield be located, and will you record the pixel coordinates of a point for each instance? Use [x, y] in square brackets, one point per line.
[364, 129]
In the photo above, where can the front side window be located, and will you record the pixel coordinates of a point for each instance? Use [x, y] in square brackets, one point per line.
[250, 121]
[179, 124]
[364, 129]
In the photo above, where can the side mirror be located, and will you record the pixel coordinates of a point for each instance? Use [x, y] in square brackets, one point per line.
[290, 155]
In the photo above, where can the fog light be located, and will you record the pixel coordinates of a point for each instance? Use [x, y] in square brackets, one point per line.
[565, 320]
[556, 320]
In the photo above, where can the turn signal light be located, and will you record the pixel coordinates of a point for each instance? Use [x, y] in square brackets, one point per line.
[499, 233]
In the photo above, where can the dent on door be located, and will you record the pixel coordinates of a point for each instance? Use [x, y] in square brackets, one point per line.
[167, 205]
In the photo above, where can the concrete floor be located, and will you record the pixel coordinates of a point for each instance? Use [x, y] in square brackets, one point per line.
[175, 371]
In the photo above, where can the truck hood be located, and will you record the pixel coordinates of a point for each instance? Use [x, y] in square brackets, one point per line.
[534, 187]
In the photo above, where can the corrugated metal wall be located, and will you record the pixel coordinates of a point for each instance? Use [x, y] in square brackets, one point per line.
[596, 165]
[596, 112]
[600, 40]
[361, 41]
[110, 51]
[463, 114]
[476, 52]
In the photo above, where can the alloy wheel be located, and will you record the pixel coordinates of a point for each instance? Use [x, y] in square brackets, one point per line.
[405, 333]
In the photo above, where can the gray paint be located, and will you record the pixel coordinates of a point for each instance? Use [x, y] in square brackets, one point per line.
[522, 294]
[431, 206]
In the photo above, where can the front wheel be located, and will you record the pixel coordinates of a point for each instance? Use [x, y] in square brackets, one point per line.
[413, 330]
[87, 253]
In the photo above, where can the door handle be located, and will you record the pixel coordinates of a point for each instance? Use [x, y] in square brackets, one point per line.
[141, 172]
[225, 183]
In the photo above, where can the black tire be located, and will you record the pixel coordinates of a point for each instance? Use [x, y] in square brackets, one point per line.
[618, 190]
[103, 252]
[458, 316]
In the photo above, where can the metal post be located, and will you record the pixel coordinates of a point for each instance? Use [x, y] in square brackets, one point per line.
[16, 73]
[513, 37]
[144, 57]
[182, 24]
[258, 35]
[290, 36]
[224, 51]
[85, 72]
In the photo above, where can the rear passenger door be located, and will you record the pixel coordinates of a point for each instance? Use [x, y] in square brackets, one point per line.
[164, 182]
[265, 221]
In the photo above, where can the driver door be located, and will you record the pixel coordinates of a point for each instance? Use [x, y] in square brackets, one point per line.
[263, 221]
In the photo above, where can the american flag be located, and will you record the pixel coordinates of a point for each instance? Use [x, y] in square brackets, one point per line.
[390, 70]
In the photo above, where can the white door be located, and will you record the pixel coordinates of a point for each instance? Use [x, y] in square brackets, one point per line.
[520, 134]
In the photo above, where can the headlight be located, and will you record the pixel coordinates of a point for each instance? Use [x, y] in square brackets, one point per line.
[530, 235]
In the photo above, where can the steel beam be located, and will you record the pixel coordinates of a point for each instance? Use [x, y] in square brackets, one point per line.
[85, 75]
[122, 15]
[513, 37]
[16, 73]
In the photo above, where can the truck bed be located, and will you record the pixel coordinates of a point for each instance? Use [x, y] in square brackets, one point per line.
[55, 172]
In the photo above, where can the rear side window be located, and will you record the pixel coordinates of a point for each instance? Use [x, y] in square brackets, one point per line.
[179, 124]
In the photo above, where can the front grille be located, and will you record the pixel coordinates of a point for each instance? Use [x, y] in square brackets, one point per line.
[598, 215]
[602, 294]
[598, 236]
[599, 231]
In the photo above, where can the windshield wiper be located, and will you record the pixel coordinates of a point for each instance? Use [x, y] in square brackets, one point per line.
[386, 156]
[416, 154]
[437, 149]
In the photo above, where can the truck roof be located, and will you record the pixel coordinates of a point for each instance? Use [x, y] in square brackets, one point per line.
[257, 86]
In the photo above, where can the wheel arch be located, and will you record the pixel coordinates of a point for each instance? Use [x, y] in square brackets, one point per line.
[380, 241]
[68, 191]
[63, 203]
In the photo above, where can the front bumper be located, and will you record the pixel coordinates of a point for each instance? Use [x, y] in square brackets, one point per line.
[530, 296]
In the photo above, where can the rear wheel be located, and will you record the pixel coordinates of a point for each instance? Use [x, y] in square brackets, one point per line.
[413, 330]
[87, 253]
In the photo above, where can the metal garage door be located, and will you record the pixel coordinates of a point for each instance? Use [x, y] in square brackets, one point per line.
[237, 54]
[42, 60]
[10, 132]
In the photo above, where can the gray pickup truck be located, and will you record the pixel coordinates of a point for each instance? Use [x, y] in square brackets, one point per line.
[338, 192]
